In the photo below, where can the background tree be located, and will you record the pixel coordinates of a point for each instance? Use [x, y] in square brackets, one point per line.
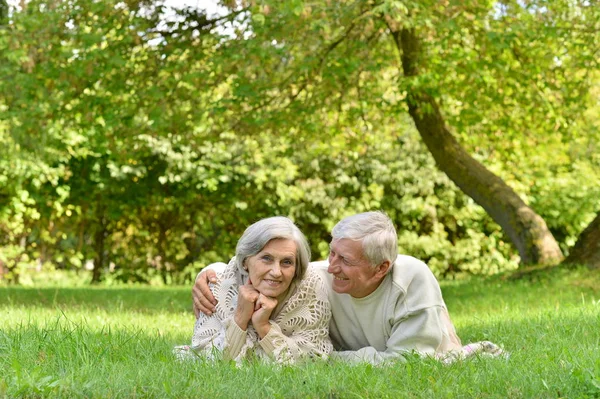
[474, 52]
[587, 248]
[143, 144]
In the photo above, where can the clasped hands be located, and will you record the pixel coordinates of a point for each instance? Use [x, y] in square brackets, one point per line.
[254, 307]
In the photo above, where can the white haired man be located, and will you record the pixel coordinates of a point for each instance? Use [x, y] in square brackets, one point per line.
[383, 305]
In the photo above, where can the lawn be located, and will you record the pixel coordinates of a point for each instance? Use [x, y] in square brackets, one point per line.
[115, 342]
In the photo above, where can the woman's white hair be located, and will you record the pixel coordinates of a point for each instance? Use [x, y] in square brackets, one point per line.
[260, 233]
[376, 232]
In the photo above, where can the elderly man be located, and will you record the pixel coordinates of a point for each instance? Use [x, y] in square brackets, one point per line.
[383, 304]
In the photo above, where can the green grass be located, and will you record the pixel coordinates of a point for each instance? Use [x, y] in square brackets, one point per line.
[116, 342]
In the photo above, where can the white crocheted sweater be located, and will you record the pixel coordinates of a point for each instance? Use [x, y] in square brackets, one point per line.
[299, 326]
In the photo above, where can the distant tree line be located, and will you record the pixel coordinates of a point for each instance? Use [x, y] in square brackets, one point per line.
[143, 142]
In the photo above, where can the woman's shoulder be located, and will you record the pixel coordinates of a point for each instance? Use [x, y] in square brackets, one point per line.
[308, 304]
[312, 277]
[312, 284]
[225, 270]
[227, 276]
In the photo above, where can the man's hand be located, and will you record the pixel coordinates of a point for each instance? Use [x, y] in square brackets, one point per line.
[262, 311]
[204, 300]
[247, 299]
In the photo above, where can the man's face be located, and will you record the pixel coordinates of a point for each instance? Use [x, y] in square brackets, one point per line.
[352, 273]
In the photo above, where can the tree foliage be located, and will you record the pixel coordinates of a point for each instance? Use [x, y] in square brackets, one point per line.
[145, 144]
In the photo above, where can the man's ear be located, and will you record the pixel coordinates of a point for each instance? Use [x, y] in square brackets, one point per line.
[382, 269]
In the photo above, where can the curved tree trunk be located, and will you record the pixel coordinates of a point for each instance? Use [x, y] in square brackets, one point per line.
[526, 229]
[99, 244]
[587, 248]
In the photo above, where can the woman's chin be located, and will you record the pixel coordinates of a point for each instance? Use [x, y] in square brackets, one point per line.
[272, 292]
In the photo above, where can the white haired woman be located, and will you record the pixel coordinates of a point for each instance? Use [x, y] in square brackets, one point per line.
[269, 302]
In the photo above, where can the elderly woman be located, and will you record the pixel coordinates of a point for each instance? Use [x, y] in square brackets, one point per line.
[270, 304]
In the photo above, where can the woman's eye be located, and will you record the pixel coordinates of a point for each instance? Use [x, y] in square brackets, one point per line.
[267, 258]
[288, 262]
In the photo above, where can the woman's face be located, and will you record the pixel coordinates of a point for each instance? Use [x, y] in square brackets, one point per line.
[273, 268]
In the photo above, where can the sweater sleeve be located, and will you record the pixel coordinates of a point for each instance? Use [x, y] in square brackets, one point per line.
[420, 332]
[235, 339]
[419, 321]
[303, 328]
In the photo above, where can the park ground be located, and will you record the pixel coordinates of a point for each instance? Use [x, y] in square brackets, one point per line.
[116, 341]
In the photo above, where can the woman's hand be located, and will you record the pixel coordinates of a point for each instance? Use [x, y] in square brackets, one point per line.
[247, 299]
[262, 312]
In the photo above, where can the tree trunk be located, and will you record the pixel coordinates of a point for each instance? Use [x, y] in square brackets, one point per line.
[587, 248]
[99, 239]
[526, 229]
[162, 262]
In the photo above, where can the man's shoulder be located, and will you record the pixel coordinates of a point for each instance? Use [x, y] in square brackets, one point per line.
[418, 283]
[319, 264]
[410, 264]
[408, 270]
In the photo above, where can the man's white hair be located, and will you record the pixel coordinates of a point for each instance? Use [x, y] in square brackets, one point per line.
[376, 232]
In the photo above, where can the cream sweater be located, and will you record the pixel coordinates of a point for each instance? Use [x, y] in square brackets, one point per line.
[406, 313]
[299, 325]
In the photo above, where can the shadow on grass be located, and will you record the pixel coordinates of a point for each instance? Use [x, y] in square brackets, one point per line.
[142, 299]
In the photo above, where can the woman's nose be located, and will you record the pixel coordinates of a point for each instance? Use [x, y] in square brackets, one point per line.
[276, 271]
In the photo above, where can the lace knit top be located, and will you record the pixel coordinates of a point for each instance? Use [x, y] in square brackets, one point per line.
[299, 325]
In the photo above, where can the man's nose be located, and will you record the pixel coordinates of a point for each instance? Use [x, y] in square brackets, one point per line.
[333, 265]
